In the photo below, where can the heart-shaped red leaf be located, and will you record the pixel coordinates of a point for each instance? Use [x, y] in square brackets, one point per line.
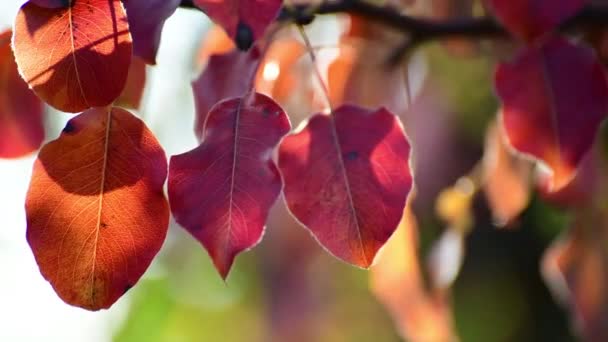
[74, 58]
[146, 21]
[221, 191]
[554, 99]
[21, 124]
[532, 19]
[96, 211]
[347, 178]
[245, 21]
[226, 76]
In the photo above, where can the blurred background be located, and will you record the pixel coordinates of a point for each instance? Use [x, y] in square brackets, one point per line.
[477, 272]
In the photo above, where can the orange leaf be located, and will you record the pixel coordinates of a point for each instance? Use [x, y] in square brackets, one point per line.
[96, 212]
[74, 58]
[133, 93]
[21, 126]
[576, 270]
[397, 282]
[507, 178]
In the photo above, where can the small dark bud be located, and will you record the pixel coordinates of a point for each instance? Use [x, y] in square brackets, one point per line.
[244, 36]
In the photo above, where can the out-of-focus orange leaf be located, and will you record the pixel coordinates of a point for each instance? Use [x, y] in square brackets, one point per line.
[576, 269]
[215, 42]
[276, 76]
[396, 280]
[355, 75]
[136, 83]
[21, 112]
[96, 211]
[77, 57]
[507, 178]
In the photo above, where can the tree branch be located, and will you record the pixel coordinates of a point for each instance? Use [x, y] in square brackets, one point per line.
[421, 30]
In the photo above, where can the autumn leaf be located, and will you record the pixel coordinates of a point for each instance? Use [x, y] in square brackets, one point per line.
[133, 92]
[554, 98]
[347, 178]
[530, 20]
[21, 112]
[576, 270]
[146, 21]
[221, 191]
[74, 58]
[214, 42]
[353, 77]
[420, 315]
[507, 178]
[96, 211]
[279, 74]
[226, 76]
[245, 21]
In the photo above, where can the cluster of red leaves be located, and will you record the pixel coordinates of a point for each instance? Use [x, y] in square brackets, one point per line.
[96, 211]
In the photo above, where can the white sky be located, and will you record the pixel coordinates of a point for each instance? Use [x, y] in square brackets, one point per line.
[29, 308]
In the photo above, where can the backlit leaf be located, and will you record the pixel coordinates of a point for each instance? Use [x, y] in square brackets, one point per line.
[576, 270]
[214, 42]
[245, 21]
[21, 124]
[226, 76]
[146, 21]
[554, 99]
[74, 58]
[96, 211]
[532, 19]
[397, 281]
[221, 191]
[133, 92]
[507, 178]
[347, 178]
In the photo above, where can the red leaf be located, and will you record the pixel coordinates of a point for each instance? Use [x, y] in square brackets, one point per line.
[532, 19]
[347, 179]
[221, 191]
[133, 92]
[554, 99]
[21, 123]
[96, 212]
[244, 20]
[226, 76]
[146, 21]
[74, 58]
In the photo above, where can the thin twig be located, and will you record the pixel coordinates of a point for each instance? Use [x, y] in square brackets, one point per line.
[426, 29]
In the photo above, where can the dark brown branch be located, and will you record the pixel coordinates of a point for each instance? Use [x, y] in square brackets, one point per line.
[421, 30]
